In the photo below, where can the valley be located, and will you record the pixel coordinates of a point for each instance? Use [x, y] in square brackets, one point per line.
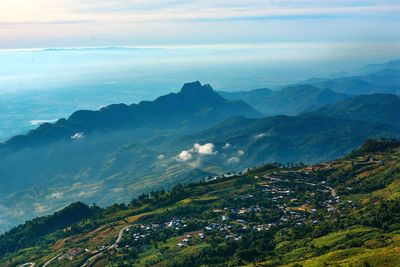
[199, 133]
[120, 151]
[340, 212]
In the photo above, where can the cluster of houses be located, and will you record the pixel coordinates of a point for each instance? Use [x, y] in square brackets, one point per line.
[330, 203]
[233, 221]
[72, 253]
[142, 231]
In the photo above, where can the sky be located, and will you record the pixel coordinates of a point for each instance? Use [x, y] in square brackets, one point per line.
[88, 23]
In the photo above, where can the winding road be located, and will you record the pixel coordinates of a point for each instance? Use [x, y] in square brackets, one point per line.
[52, 259]
[98, 253]
[32, 264]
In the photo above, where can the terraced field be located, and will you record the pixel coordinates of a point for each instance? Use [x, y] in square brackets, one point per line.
[340, 213]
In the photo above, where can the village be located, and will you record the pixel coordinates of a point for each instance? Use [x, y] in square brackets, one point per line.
[279, 199]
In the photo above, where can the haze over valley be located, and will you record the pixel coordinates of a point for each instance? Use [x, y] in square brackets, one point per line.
[39, 85]
[190, 135]
[199, 133]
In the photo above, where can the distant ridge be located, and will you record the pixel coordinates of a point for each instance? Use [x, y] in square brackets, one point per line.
[381, 78]
[254, 97]
[195, 107]
[378, 108]
[290, 100]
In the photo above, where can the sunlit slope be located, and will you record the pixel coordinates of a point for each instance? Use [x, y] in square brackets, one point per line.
[340, 213]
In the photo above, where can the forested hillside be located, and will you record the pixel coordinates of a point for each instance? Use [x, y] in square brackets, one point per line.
[340, 213]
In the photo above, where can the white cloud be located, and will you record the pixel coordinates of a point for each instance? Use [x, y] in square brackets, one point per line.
[184, 156]
[84, 194]
[38, 122]
[39, 207]
[240, 152]
[259, 136]
[206, 149]
[85, 22]
[198, 149]
[226, 146]
[157, 10]
[233, 160]
[78, 136]
[56, 195]
[160, 157]
[195, 164]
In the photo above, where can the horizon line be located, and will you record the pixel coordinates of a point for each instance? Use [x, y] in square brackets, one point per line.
[260, 45]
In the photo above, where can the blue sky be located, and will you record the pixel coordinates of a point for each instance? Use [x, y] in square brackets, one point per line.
[66, 23]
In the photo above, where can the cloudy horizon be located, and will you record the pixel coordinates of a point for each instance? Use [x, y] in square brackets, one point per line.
[73, 23]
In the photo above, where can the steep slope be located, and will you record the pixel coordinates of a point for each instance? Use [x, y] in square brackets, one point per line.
[378, 108]
[340, 213]
[290, 100]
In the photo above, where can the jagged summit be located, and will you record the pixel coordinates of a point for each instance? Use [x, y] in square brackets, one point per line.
[196, 88]
[196, 93]
[192, 86]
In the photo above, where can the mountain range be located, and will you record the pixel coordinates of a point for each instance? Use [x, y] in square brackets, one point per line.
[99, 155]
[194, 107]
[120, 151]
[377, 108]
[372, 79]
[290, 100]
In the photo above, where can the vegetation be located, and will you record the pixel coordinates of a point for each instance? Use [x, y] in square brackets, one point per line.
[121, 151]
[380, 145]
[341, 213]
[33, 231]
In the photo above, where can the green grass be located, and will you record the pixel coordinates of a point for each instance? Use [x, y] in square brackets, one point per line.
[340, 237]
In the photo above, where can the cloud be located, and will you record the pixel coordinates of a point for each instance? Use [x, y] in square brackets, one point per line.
[226, 146]
[160, 157]
[259, 136]
[195, 164]
[240, 152]
[184, 156]
[38, 122]
[206, 149]
[125, 11]
[56, 195]
[40, 208]
[174, 10]
[198, 149]
[91, 23]
[233, 160]
[84, 194]
[78, 136]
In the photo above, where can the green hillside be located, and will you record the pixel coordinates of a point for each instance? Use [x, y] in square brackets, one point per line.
[340, 213]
